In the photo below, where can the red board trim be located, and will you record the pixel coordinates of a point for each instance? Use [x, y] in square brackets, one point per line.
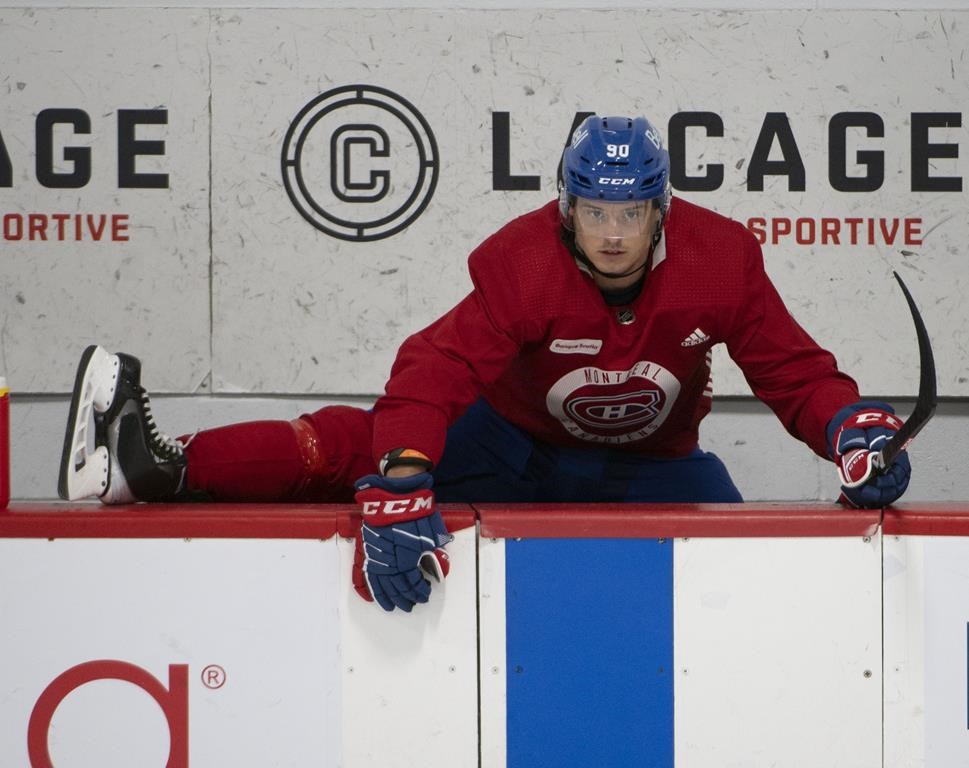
[194, 521]
[927, 519]
[322, 521]
[674, 521]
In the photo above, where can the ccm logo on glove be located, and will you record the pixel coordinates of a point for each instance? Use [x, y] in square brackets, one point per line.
[855, 434]
[401, 541]
[420, 504]
[872, 418]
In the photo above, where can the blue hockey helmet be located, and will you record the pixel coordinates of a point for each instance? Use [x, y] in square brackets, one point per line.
[615, 159]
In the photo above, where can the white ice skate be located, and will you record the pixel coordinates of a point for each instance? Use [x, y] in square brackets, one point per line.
[131, 460]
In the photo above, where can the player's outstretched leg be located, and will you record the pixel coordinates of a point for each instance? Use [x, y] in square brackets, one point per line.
[131, 460]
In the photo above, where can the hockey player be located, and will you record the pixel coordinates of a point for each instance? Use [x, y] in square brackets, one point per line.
[576, 370]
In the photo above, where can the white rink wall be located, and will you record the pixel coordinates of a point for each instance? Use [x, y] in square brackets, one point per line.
[242, 307]
[214, 650]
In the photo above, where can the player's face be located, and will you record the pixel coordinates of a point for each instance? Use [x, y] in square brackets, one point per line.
[615, 237]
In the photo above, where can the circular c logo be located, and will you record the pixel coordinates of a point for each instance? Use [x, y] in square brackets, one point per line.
[360, 163]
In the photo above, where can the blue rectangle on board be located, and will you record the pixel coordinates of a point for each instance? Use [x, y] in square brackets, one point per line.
[589, 652]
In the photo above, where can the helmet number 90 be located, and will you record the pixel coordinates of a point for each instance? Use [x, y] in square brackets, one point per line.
[614, 151]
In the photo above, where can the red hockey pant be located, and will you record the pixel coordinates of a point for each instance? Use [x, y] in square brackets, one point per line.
[317, 457]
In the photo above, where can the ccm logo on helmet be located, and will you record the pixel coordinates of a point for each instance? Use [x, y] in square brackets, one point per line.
[617, 182]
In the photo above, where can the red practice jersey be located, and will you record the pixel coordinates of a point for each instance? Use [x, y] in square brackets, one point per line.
[537, 340]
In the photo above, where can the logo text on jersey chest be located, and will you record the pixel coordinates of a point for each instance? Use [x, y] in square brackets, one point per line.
[576, 346]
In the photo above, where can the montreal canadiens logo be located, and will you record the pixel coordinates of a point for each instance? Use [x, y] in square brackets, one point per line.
[613, 407]
[612, 412]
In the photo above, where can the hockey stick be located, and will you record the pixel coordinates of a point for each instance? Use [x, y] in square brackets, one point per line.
[927, 399]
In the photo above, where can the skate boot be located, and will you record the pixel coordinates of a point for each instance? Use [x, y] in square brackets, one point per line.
[131, 460]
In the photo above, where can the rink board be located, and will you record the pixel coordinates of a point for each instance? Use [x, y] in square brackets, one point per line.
[683, 635]
[282, 663]
[735, 649]
[926, 636]
[230, 241]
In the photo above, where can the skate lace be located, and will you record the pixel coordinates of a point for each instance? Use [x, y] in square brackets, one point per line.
[166, 446]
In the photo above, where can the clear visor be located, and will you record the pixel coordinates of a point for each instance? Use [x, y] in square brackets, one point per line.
[598, 218]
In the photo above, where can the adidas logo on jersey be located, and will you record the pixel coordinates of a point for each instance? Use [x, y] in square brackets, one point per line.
[697, 337]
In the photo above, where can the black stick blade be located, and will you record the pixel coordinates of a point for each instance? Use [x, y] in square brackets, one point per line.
[927, 398]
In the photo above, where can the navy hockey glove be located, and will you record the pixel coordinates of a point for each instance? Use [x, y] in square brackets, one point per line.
[402, 538]
[855, 433]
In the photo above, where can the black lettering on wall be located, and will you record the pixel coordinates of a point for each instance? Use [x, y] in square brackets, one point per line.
[923, 151]
[776, 126]
[501, 158]
[874, 161]
[679, 179]
[79, 120]
[130, 148]
[6, 168]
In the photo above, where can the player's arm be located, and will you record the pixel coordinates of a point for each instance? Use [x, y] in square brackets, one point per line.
[443, 369]
[784, 366]
[815, 401]
[438, 373]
